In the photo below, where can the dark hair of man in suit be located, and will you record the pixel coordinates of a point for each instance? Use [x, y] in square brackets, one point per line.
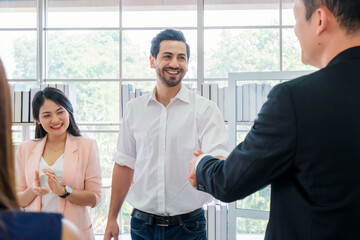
[346, 12]
[58, 97]
[8, 198]
[168, 34]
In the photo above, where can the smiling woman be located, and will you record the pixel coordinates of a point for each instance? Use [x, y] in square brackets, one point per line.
[51, 108]
[62, 167]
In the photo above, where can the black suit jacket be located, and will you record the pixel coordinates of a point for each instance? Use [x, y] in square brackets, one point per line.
[306, 144]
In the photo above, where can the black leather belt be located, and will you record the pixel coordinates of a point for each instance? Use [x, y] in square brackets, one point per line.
[164, 221]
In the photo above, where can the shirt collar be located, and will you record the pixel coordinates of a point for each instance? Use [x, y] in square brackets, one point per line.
[182, 95]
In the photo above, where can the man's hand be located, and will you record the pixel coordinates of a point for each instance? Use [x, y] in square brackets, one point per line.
[112, 230]
[192, 169]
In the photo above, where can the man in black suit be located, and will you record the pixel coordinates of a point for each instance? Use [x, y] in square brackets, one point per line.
[306, 139]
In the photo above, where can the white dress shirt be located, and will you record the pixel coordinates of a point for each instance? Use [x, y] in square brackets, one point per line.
[158, 142]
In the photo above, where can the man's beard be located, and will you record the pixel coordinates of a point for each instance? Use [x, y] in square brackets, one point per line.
[167, 82]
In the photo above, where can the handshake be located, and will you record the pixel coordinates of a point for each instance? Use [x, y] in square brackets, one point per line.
[193, 164]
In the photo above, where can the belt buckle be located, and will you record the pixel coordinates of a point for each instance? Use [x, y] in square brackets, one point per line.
[166, 222]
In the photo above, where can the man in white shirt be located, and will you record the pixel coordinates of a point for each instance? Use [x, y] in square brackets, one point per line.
[158, 135]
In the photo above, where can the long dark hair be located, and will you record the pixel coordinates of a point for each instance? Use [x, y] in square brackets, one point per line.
[58, 97]
[8, 197]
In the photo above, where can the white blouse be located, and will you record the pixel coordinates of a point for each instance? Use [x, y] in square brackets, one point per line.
[49, 202]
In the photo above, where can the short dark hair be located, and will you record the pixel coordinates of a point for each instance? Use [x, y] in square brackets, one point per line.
[346, 12]
[58, 97]
[167, 34]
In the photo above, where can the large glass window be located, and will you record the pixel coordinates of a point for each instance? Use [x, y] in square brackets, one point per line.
[159, 14]
[240, 50]
[83, 14]
[18, 14]
[223, 13]
[82, 54]
[18, 51]
[18, 22]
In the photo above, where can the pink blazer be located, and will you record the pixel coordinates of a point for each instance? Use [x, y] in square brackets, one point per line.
[81, 171]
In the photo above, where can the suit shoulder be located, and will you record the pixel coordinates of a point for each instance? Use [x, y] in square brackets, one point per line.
[307, 79]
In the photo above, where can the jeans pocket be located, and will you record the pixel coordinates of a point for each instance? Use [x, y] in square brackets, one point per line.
[194, 226]
[137, 225]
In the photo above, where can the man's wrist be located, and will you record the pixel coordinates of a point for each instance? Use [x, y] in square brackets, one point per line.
[199, 159]
[112, 218]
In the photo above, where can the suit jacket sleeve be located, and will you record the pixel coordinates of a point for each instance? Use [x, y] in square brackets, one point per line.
[266, 153]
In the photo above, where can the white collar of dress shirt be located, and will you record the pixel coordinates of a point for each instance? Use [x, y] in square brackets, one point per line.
[182, 95]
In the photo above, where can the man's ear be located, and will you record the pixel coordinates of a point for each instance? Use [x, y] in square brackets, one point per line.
[152, 61]
[321, 20]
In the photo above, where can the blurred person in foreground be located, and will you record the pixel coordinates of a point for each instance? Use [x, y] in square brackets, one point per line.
[305, 141]
[16, 224]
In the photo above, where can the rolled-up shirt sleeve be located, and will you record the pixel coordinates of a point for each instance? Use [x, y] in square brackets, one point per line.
[213, 135]
[125, 154]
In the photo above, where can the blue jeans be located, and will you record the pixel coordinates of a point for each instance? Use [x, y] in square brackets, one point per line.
[190, 229]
